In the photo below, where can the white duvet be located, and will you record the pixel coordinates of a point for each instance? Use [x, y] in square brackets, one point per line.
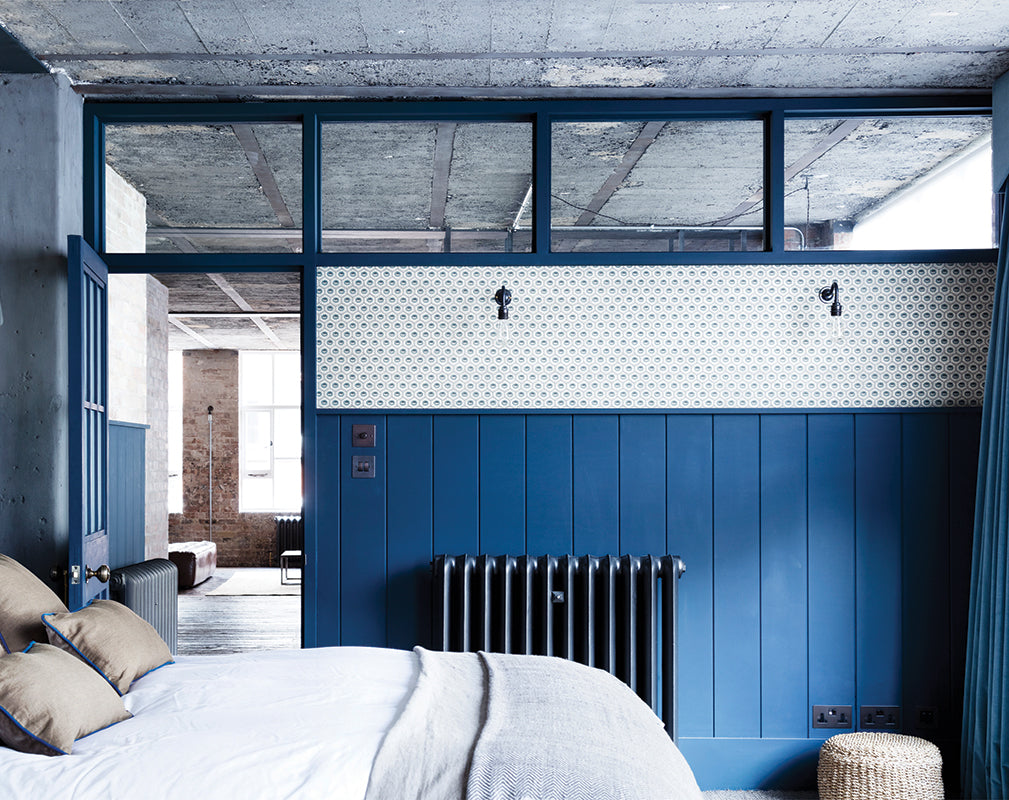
[275, 724]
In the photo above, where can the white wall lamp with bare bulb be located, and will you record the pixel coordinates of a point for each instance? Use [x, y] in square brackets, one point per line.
[831, 294]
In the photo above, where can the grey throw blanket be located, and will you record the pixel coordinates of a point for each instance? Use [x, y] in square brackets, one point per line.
[488, 726]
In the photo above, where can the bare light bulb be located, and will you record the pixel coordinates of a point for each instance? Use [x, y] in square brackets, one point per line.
[837, 328]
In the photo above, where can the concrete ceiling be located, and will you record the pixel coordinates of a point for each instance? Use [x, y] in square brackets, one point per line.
[513, 47]
[234, 311]
[421, 187]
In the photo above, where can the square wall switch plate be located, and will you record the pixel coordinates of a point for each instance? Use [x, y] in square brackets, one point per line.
[362, 467]
[832, 717]
[362, 435]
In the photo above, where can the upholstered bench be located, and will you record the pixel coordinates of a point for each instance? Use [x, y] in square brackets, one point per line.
[868, 766]
[196, 561]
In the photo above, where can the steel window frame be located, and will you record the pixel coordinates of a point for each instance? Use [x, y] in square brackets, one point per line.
[312, 115]
[542, 114]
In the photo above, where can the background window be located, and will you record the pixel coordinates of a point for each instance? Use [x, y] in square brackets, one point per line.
[270, 435]
[659, 186]
[426, 187]
[897, 183]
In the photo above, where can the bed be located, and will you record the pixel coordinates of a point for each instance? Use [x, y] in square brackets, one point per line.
[348, 723]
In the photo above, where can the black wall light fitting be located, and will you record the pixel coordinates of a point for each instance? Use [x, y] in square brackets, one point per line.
[831, 294]
[503, 297]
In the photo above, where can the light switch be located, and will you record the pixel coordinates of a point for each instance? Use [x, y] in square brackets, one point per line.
[362, 466]
[362, 435]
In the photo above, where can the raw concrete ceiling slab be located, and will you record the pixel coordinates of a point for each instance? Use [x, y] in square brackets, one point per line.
[519, 47]
[237, 311]
[208, 189]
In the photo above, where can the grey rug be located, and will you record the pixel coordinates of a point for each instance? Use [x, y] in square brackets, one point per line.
[758, 795]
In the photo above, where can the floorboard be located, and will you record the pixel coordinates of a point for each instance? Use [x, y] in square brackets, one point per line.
[236, 624]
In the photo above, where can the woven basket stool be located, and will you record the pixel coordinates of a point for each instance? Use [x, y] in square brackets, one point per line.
[873, 766]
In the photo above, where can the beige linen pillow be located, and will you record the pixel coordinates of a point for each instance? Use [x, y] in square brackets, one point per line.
[48, 699]
[112, 639]
[23, 601]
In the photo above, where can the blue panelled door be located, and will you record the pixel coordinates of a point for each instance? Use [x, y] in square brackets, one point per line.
[87, 308]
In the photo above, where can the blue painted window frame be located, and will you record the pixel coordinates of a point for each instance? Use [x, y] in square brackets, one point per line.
[541, 113]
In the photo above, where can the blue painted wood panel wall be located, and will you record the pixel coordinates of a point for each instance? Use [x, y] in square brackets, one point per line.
[127, 487]
[828, 554]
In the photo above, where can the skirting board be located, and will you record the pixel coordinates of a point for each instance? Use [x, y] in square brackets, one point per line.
[752, 763]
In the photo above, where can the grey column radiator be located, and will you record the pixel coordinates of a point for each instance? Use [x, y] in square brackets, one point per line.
[617, 613]
[290, 534]
[151, 589]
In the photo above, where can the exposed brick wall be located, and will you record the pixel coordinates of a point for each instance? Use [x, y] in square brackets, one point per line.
[210, 378]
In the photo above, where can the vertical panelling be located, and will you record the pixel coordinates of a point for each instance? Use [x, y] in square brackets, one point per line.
[408, 451]
[925, 585]
[964, 441]
[326, 557]
[736, 487]
[831, 470]
[127, 493]
[594, 483]
[878, 558]
[642, 483]
[820, 567]
[363, 543]
[456, 484]
[688, 535]
[502, 484]
[548, 484]
[783, 583]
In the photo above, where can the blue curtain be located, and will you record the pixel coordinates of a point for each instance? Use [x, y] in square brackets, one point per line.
[984, 758]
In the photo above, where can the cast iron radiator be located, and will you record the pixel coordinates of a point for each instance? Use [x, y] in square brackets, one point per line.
[151, 589]
[290, 534]
[617, 613]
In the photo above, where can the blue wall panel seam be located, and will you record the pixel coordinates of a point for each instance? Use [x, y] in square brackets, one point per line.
[714, 609]
[479, 485]
[620, 483]
[571, 494]
[854, 570]
[760, 574]
[809, 623]
[384, 460]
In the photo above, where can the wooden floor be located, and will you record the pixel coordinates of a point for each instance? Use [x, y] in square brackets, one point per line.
[236, 624]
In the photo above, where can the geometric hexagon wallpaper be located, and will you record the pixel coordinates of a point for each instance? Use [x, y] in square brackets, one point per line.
[652, 337]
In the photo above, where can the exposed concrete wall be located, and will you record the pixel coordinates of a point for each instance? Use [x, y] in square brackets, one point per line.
[125, 215]
[127, 359]
[156, 545]
[138, 374]
[40, 205]
[126, 229]
[1000, 132]
[210, 378]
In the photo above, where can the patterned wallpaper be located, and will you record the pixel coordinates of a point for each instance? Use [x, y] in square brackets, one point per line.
[706, 337]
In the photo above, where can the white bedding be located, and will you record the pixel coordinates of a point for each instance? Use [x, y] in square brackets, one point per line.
[276, 724]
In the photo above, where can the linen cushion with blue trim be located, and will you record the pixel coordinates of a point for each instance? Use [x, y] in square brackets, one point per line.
[111, 638]
[23, 601]
[48, 699]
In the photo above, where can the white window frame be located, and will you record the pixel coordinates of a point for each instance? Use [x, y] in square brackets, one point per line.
[270, 409]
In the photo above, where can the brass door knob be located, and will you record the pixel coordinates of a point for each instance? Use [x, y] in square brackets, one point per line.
[103, 573]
